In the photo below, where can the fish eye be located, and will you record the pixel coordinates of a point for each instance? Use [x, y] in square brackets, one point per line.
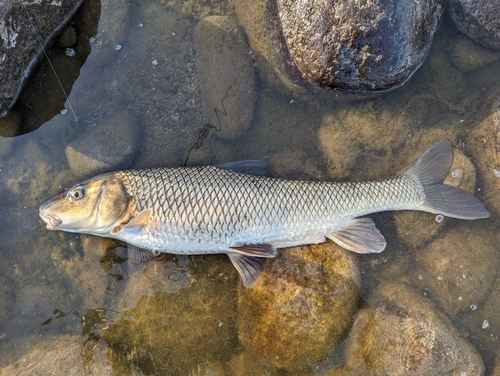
[77, 193]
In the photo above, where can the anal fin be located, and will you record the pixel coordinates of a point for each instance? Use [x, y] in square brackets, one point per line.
[359, 235]
[248, 267]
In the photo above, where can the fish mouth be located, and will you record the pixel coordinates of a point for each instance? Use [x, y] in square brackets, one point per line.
[52, 221]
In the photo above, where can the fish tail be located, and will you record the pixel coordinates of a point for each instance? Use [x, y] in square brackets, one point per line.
[430, 170]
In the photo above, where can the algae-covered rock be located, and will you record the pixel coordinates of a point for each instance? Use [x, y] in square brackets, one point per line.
[417, 228]
[111, 145]
[170, 333]
[459, 269]
[301, 306]
[61, 355]
[402, 333]
[227, 75]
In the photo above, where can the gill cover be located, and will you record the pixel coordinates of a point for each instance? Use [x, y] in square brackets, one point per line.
[93, 206]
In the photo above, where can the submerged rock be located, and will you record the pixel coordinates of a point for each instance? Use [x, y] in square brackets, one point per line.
[62, 355]
[158, 335]
[227, 75]
[401, 333]
[301, 306]
[482, 322]
[20, 44]
[459, 269]
[478, 19]
[111, 145]
[484, 144]
[367, 47]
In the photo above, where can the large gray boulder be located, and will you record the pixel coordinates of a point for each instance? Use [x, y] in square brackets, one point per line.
[24, 28]
[368, 46]
[365, 47]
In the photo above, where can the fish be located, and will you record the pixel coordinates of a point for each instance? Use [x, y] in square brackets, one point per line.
[233, 208]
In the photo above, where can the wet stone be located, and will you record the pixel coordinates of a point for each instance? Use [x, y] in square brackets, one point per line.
[402, 333]
[482, 322]
[371, 46]
[301, 306]
[19, 44]
[111, 145]
[156, 334]
[227, 75]
[467, 55]
[484, 145]
[478, 19]
[459, 269]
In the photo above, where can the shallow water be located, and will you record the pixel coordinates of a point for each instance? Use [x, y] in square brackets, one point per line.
[179, 315]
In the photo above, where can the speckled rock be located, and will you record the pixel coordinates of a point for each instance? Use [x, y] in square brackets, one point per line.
[417, 228]
[62, 355]
[478, 19]
[301, 306]
[484, 144]
[368, 47]
[227, 75]
[19, 44]
[111, 145]
[402, 333]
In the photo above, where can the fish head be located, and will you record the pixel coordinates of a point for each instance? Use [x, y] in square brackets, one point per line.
[94, 206]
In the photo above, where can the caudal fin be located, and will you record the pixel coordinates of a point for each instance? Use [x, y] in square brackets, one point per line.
[431, 169]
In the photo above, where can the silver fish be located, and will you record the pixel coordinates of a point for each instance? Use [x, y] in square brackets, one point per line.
[203, 210]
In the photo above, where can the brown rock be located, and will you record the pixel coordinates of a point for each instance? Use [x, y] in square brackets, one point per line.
[459, 269]
[401, 333]
[301, 306]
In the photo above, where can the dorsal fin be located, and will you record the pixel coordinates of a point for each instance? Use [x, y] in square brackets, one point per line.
[258, 167]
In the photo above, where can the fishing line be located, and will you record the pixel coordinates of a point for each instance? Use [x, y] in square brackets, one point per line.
[47, 56]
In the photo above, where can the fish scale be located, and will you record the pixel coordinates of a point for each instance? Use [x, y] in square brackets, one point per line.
[224, 208]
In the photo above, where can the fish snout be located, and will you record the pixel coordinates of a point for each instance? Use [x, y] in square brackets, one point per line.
[51, 220]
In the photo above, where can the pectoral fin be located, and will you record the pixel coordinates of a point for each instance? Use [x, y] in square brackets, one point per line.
[359, 235]
[256, 250]
[135, 225]
[138, 258]
[248, 267]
